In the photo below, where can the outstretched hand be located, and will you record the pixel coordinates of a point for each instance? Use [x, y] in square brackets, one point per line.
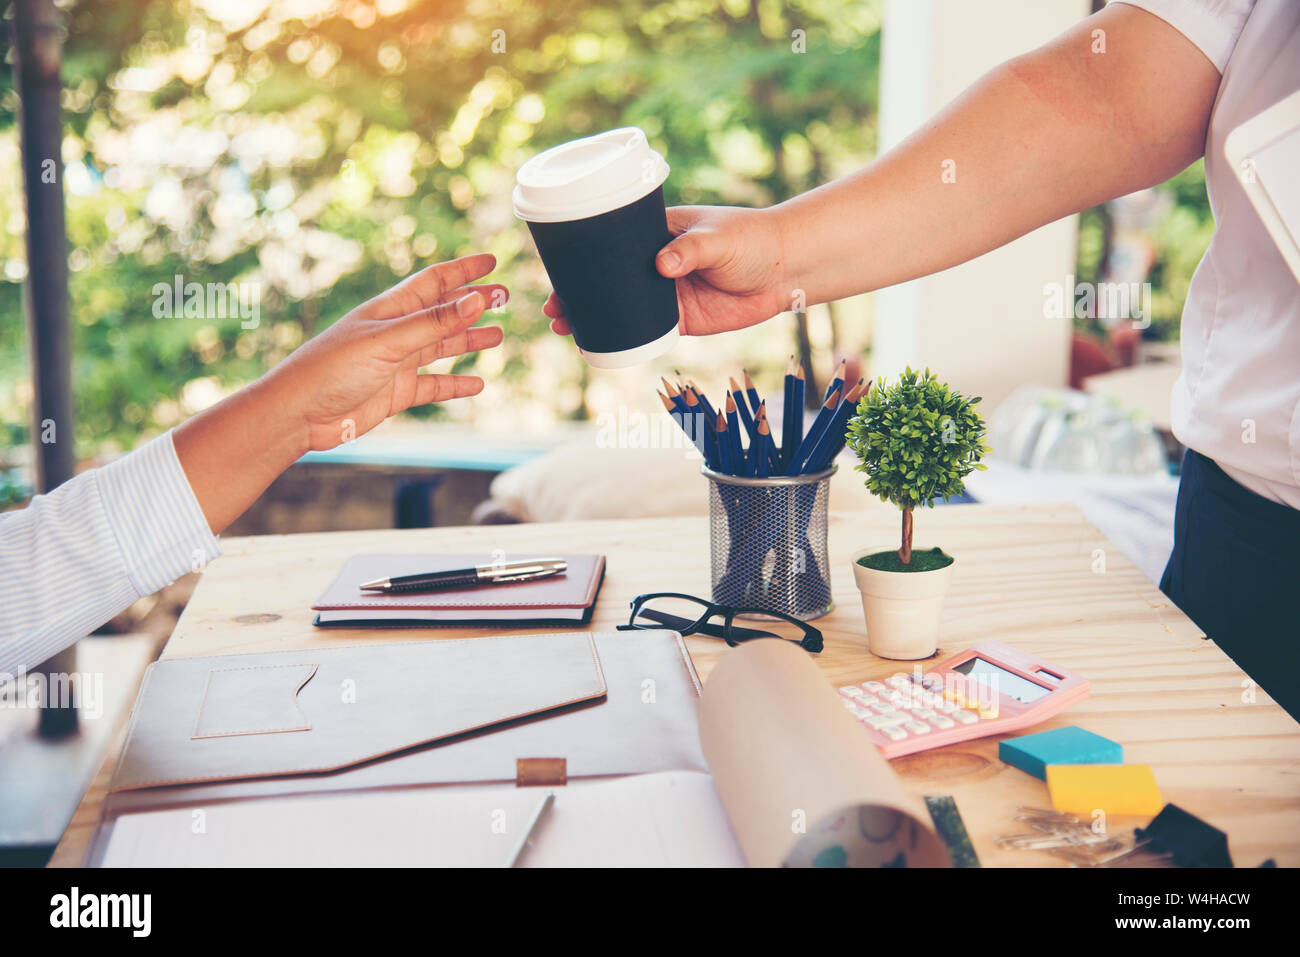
[728, 265]
[366, 367]
[340, 385]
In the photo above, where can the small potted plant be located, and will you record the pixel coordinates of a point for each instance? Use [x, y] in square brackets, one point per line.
[916, 441]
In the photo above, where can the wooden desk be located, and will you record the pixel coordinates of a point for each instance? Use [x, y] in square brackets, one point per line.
[1029, 576]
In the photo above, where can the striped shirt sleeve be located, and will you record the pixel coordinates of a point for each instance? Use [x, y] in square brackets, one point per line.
[74, 558]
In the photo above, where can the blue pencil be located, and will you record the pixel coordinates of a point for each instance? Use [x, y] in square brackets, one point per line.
[829, 445]
[699, 436]
[837, 381]
[733, 435]
[724, 446]
[752, 392]
[796, 416]
[696, 410]
[762, 463]
[746, 418]
[773, 455]
[787, 394]
[795, 465]
[674, 396]
[709, 410]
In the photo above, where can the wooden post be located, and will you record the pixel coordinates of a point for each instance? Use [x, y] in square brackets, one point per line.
[38, 65]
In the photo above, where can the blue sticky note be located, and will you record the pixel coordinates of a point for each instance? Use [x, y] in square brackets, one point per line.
[1032, 753]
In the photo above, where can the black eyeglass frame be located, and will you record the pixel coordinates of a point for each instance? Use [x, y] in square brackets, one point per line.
[811, 641]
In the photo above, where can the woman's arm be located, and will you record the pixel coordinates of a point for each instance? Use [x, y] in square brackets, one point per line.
[72, 559]
[1042, 136]
[339, 385]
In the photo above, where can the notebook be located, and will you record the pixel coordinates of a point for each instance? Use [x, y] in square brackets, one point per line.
[561, 601]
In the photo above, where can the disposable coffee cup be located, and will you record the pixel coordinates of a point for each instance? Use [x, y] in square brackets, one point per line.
[595, 207]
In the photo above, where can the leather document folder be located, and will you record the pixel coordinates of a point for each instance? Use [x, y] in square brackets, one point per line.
[296, 712]
[645, 721]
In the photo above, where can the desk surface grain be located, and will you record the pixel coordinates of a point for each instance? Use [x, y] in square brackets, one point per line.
[1037, 577]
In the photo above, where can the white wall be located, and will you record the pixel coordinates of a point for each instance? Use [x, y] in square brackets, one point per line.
[979, 325]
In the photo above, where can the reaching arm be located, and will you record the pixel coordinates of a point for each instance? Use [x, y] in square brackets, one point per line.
[1047, 134]
[339, 385]
[1040, 137]
[72, 559]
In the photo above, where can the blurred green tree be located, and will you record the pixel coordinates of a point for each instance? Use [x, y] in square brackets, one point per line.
[315, 150]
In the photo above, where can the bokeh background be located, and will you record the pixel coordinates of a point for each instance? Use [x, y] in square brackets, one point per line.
[325, 148]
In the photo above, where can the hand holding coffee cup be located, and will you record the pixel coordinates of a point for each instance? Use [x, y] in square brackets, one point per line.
[595, 208]
[726, 261]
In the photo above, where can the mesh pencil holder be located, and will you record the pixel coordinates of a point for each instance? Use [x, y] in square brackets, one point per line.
[768, 542]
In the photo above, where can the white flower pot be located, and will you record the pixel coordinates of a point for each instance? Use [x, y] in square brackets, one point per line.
[903, 609]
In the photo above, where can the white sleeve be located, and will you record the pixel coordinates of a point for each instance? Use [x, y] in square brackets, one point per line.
[1213, 25]
[74, 558]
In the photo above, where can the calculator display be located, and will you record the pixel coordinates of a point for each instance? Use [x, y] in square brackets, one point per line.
[1003, 681]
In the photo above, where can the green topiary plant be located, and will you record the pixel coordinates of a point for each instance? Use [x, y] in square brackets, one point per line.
[917, 440]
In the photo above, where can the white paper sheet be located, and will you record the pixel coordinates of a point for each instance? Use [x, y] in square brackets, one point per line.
[650, 820]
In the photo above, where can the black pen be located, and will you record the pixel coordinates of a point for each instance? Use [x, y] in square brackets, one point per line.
[500, 573]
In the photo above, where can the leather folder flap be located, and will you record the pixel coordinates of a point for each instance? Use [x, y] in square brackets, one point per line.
[223, 717]
[257, 700]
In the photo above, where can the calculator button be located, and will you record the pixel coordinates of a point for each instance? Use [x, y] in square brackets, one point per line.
[932, 682]
[894, 733]
[898, 681]
[848, 702]
[852, 691]
[874, 686]
[942, 723]
[879, 721]
[965, 717]
[881, 707]
[924, 714]
[917, 727]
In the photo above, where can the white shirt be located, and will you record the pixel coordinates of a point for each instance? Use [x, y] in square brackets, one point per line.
[1238, 398]
[73, 559]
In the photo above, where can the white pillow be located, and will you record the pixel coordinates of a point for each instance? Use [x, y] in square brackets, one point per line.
[584, 480]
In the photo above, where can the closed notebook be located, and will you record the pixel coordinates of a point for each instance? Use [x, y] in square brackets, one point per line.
[562, 600]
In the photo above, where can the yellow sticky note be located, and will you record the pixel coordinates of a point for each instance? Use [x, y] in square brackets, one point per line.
[1083, 789]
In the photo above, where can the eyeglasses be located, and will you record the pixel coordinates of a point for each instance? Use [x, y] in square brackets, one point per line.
[690, 615]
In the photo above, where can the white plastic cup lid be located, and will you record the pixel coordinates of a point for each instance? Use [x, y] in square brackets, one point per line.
[588, 177]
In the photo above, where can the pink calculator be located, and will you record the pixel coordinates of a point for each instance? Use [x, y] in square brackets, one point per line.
[989, 689]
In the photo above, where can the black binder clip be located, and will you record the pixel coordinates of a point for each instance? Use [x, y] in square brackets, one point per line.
[1186, 838]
